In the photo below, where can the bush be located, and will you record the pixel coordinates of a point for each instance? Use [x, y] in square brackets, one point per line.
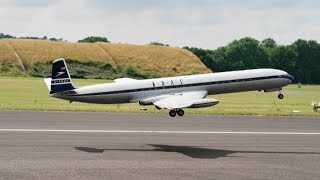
[158, 44]
[131, 72]
[9, 69]
[93, 39]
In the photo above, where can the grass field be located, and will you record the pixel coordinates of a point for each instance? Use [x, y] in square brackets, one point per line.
[32, 94]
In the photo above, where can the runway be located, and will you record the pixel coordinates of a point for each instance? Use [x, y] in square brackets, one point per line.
[83, 145]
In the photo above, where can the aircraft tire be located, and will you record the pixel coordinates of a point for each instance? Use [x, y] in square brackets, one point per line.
[172, 113]
[180, 112]
[280, 96]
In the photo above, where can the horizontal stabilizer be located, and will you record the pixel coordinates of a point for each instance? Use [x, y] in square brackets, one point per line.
[48, 83]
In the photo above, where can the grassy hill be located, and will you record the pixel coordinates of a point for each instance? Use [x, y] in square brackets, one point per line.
[96, 60]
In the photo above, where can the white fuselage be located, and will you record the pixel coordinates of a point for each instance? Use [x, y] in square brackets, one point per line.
[214, 83]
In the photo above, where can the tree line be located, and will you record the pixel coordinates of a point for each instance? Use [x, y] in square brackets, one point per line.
[300, 59]
[90, 39]
[8, 36]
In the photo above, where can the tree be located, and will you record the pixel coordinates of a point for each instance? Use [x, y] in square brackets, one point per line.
[93, 39]
[158, 44]
[206, 56]
[284, 58]
[53, 39]
[308, 61]
[30, 37]
[269, 43]
[2, 36]
[245, 53]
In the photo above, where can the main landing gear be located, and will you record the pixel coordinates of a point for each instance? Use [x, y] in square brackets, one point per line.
[174, 112]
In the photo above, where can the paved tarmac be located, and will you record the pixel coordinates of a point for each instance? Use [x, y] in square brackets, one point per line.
[81, 145]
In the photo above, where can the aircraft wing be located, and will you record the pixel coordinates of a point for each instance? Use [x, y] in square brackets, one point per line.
[185, 100]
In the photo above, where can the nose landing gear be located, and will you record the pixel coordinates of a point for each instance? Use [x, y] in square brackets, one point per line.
[280, 95]
[174, 112]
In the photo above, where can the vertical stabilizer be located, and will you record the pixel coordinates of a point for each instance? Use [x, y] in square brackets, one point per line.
[60, 78]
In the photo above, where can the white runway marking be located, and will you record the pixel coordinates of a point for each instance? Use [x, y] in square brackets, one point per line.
[156, 132]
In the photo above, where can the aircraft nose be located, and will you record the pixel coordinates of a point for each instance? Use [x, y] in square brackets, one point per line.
[290, 77]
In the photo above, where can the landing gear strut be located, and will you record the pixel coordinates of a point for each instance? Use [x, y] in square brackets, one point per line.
[280, 95]
[174, 112]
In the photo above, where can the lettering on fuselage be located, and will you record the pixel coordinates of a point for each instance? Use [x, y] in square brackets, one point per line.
[164, 84]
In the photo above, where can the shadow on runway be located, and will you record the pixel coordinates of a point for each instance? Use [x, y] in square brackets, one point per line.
[191, 151]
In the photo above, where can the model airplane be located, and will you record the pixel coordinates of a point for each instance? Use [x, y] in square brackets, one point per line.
[172, 93]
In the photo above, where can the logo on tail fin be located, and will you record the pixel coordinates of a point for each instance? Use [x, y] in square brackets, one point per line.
[60, 73]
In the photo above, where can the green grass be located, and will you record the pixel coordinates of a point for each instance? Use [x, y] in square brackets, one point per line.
[24, 93]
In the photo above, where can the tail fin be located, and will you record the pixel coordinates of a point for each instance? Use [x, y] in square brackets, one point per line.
[60, 79]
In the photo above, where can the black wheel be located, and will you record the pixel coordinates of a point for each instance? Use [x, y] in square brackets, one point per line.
[280, 96]
[172, 113]
[180, 112]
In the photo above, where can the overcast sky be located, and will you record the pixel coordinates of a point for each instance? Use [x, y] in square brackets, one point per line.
[200, 23]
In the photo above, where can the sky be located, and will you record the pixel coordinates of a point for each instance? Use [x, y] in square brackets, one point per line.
[196, 23]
